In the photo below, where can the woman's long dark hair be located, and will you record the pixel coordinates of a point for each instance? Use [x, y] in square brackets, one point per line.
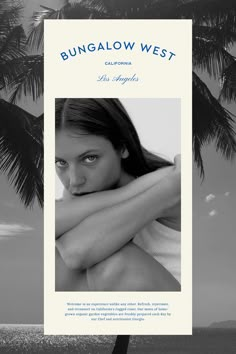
[108, 118]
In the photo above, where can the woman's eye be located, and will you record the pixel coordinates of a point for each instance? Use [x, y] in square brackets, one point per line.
[90, 159]
[61, 163]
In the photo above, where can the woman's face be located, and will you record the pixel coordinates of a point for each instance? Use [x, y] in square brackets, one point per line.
[87, 163]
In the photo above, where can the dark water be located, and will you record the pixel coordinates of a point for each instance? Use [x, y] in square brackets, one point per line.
[30, 339]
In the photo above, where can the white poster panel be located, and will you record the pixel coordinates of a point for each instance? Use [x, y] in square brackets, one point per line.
[145, 68]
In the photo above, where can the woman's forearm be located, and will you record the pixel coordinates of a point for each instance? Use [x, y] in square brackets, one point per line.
[106, 231]
[71, 212]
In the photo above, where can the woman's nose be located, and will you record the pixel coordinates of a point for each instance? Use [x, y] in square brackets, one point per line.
[77, 177]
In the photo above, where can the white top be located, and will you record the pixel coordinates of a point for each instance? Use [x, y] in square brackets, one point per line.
[162, 243]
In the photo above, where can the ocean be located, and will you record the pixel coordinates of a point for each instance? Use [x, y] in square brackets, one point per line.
[30, 339]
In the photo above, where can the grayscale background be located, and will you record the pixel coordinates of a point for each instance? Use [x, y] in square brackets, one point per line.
[214, 225]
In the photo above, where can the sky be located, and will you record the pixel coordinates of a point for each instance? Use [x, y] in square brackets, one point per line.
[214, 241]
[21, 259]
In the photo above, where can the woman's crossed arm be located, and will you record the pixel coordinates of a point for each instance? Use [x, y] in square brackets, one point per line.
[70, 212]
[104, 232]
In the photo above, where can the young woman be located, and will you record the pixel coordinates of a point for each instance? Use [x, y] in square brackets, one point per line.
[114, 191]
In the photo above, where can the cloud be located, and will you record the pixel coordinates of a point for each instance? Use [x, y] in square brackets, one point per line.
[209, 197]
[13, 229]
[227, 194]
[212, 213]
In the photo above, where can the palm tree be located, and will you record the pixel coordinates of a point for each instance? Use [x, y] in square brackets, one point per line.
[121, 344]
[21, 142]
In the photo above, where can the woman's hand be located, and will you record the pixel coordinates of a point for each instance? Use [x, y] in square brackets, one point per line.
[171, 215]
[175, 177]
[177, 170]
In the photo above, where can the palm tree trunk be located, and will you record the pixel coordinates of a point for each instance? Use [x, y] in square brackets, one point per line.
[121, 344]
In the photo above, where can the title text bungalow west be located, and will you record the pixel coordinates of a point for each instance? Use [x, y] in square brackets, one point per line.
[115, 46]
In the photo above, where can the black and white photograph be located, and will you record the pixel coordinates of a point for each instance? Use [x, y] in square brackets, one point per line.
[118, 222]
[213, 172]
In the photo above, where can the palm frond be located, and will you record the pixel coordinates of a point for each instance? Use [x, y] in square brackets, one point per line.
[73, 10]
[87, 9]
[12, 49]
[8, 72]
[162, 9]
[211, 122]
[10, 15]
[35, 35]
[210, 12]
[209, 56]
[228, 91]
[222, 35]
[21, 152]
[96, 8]
[29, 81]
[14, 45]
